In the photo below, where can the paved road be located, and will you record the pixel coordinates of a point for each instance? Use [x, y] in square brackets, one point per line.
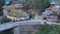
[30, 22]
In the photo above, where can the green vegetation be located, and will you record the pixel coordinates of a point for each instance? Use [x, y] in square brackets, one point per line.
[38, 4]
[49, 29]
[1, 5]
[58, 0]
[10, 31]
[4, 20]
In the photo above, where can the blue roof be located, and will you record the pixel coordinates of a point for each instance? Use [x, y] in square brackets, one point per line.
[7, 1]
[52, 0]
[58, 3]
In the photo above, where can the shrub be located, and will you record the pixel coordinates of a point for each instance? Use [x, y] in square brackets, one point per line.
[49, 29]
[1, 5]
[5, 20]
[38, 4]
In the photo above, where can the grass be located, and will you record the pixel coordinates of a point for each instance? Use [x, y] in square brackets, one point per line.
[46, 29]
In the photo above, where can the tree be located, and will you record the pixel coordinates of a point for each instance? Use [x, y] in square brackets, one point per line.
[1, 5]
[38, 4]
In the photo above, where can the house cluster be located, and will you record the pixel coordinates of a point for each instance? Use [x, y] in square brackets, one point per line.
[52, 13]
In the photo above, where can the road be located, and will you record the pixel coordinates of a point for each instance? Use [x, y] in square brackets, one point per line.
[30, 22]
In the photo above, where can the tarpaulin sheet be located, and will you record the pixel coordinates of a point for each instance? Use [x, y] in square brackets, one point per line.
[56, 1]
